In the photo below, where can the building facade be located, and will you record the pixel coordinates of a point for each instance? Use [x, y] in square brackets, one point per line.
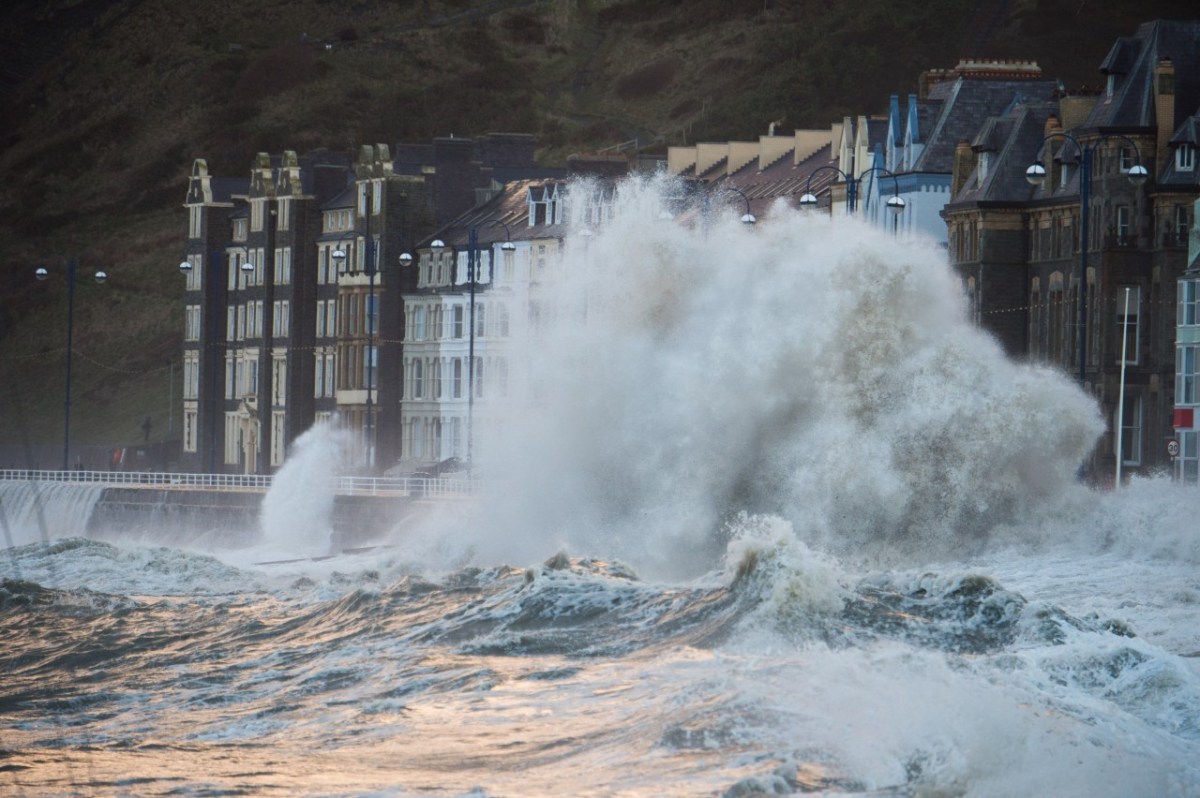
[464, 362]
[1186, 453]
[1048, 269]
[293, 292]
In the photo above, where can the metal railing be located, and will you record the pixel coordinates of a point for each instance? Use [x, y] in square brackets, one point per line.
[343, 485]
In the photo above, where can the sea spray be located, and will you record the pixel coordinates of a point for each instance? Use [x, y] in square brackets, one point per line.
[811, 368]
[297, 512]
[42, 511]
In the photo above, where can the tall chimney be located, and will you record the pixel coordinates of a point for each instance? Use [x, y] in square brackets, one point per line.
[964, 163]
[1164, 106]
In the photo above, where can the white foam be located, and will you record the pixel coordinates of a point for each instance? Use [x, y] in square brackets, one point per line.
[297, 512]
[808, 367]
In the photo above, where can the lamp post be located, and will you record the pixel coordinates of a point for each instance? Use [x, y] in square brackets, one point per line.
[42, 273]
[1120, 422]
[747, 217]
[1036, 175]
[473, 282]
[895, 203]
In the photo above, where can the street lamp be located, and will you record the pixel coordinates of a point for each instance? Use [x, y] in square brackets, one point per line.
[101, 277]
[895, 203]
[747, 217]
[1036, 175]
[473, 281]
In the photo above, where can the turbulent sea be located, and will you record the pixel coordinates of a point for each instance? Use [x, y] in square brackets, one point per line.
[807, 536]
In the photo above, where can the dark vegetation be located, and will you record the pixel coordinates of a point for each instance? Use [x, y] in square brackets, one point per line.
[107, 102]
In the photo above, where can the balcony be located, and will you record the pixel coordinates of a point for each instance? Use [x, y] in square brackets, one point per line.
[1173, 239]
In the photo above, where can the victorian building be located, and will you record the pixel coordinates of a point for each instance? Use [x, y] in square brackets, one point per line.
[1064, 271]
[294, 278]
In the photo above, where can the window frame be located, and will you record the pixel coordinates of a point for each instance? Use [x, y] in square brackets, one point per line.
[1185, 157]
[1135, 328]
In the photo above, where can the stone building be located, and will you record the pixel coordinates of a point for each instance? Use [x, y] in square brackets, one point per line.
[1049, 277]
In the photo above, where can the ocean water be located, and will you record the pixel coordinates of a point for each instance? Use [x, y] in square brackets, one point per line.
[784, 523]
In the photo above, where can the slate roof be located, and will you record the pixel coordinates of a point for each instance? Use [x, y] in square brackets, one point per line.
[927, 113]
[1132, 60]
[783, 179]
[964, 102]
[1168, 176]
[343, 199]
[1011, 141]
[1188, 132]
[877, 129]
[511, 207]
[719, 166]
[224, 189]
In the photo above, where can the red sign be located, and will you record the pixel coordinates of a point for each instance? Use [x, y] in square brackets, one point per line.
[1184, 417]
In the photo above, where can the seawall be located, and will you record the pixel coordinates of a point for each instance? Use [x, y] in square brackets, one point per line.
[230, 517]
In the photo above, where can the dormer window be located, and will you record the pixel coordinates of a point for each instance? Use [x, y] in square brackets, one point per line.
[1111, 86]
[985, 158]
[1126, 159]
[538, 207]
[1067, 172]
[1185, 157]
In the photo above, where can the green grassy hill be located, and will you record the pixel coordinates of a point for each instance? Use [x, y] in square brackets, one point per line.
[107, 102]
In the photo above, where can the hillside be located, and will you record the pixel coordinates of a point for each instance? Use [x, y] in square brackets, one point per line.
[107, 103]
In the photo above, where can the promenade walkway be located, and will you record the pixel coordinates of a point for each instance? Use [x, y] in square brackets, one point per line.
[254, 483]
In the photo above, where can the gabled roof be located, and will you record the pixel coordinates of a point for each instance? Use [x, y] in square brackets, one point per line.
[1132, 62]
[921, 117]
[964, 102]
[1189, 131]
[877, 130]
[1120, 58]
[1012, 138]
[1168, 175]
[343, 199]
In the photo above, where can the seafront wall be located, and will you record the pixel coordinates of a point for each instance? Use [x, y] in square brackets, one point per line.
[230, 516]
[182, 509]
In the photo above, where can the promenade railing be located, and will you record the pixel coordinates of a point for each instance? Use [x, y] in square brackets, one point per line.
[429, 487]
